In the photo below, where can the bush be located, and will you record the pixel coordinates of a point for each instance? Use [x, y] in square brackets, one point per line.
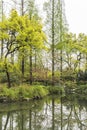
[56, 89]
[3, 77]
[32, 91]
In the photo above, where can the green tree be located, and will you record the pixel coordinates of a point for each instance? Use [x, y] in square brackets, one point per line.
[55, 28]
[28, 33]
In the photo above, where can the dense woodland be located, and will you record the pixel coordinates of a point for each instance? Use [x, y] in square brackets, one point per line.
[36, 49]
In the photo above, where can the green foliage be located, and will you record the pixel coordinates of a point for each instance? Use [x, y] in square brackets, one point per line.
[56, 89]
[40, 91]
[68, 74]
[32, 91]
[3, 77]
[23, 92]
[11, 94]
[20, 35]
[82, 89]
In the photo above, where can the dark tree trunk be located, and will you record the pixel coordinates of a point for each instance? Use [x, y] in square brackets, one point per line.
[8, 115]
[61, 114]
[7, 73]
[23, 61]
[12, 58]
[35, 61]
[2, 31]
[2, 49]
[8, 76]
[0, 122]
[30, 119]
[53, 122]
[22, 66]
[53, 42]
[31, 65]
[61, 58]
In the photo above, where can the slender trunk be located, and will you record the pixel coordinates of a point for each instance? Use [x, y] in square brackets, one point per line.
[53, 122]
[2, 49]
[61, 114]
[30, 119]
[22, 7]
[86, 63]
[0, 122]
[7, 74]
[23, 61]
[61, 58]
[8, 79]
[2, 41]
[31, 65]
[53, 42]
[22, 121]
[22, 66]
[8, 115]
[12, 58]
[61, 62]
[35, 60]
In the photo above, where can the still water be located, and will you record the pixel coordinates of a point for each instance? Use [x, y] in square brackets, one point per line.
[51, 113]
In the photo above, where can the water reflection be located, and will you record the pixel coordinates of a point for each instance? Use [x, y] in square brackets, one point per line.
[49, 114]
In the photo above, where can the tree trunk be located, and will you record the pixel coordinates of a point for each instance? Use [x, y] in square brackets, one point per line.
[30, 119]
[23, 61]
[7, 74]
[53, 42]
[8, 77]
[35, 61]
[61, 114]
[2, 49]
[31, 65]
[2, 31]
[8, 115]
[12, 58]
[0, 122]
[61, 59]
[22, 66]
[53, 108]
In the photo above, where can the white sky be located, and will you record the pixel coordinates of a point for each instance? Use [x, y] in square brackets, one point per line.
[76, 13]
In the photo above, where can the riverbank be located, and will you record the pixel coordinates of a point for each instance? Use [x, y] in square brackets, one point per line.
[26, 92]
[22, 92]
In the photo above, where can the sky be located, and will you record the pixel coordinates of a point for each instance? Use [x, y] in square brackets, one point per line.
[76, 14]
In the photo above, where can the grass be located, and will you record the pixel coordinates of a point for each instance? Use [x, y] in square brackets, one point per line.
[27, 92]
[23, 92]
[56, 89]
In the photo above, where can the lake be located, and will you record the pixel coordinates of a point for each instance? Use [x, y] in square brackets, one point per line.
[50, 113]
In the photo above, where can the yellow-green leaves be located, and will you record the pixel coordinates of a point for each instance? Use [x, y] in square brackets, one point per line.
[22, 31]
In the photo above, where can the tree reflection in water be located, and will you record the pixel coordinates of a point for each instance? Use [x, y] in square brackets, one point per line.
[52, 113]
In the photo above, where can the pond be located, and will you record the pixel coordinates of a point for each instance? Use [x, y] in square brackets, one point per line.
[50, 113]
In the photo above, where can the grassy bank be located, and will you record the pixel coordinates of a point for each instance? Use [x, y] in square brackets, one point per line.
[26, 92]
[23, 92]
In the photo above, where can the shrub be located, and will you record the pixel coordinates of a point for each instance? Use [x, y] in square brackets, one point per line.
[56, 89]
[32, 91]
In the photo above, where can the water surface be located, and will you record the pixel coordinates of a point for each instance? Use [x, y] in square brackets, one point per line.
[51, 113]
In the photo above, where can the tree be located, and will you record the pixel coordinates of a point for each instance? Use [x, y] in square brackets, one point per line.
[55, 28]
[27, 34]
[2, 14]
